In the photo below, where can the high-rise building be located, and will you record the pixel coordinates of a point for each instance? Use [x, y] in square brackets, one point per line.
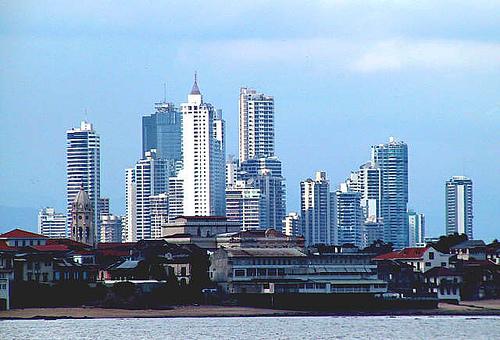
[159, 213]
[265, 174]
[349, 216]
[392, 160]
[256, 124]
[244, 204]
[367, 180]
[103, 206]
[416, 225]
[162, 131]
[316, 211]
[231, 170]
[151, 179]
[51, 224]
[291, 224]
[82, 225]
[203, 172]
[129, 231]
[459, 213]
[83, 168]
[111, 228]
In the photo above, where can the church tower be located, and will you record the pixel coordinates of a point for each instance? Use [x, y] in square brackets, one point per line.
[82, 222]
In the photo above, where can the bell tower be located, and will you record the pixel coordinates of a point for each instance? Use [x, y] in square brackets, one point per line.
[82, 222]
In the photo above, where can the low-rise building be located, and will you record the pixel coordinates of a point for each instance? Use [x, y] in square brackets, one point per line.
[470, 250]
[444, 282]
[23, 238]
[260, 238]
[291, 271]
[198, 230]
[422, 259]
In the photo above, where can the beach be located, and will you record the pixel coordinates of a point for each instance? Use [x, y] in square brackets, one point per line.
[484, 307]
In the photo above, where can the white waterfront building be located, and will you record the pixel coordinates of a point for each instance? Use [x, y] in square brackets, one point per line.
[83, 169]
[256, 124]
[459, 213]
[51, 223]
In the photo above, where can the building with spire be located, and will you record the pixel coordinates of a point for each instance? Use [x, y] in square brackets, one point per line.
[202, 177]
[82, 225]
[83, 168]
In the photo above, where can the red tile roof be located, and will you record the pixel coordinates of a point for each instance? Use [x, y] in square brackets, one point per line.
[4, 246]
[406, 253]
[441, 271]
[19, 233]
[52, 247]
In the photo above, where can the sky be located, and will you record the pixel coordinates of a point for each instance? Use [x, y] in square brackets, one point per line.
[345, 75]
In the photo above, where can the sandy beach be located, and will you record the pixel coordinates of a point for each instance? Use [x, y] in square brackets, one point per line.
[486, 307]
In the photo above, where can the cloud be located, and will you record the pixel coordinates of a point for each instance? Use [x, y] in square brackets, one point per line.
[400, 54]
[361, 56]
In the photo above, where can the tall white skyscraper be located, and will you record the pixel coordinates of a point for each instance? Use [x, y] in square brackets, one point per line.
[416, 224]
[459, 212]
[151, 179]
[51, 224]
[256, 124]
[318, 225]
[349, 216]
[392, 160]
[203, 148]
[129, 231]
[83, 168]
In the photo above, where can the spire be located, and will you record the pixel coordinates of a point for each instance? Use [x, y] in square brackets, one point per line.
[195, 89]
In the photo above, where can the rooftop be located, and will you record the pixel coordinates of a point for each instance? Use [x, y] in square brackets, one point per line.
[19, 233]
[264, 252]
[469, 244]
[406, 253]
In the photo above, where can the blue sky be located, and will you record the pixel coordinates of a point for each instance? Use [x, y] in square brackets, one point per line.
[345, 75]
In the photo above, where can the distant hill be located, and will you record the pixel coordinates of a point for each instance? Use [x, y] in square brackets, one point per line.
[18, 217]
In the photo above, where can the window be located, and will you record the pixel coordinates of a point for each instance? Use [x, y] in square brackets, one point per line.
[30, 265]
[251, 271]
[443, 264]
[261, 272]
[45, 277]
[427, 264]
[431, 255]
[239, 272]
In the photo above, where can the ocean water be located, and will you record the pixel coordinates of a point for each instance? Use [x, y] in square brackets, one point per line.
[367, 327]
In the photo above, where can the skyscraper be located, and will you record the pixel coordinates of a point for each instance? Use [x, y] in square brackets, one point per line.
[111, 228]
[83, 168]
[291, 224]
[392, 160]
[459, 213]
[103, 206]
[349, 216]
[203, 172]
[129, 230]
[316, 211]
[162, 131]
[416, 224]
[256, 124]
[51, 224]
[159, 213]
[244, 204]
[151, 179]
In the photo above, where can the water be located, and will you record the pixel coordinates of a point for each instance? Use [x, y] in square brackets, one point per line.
[368, 327]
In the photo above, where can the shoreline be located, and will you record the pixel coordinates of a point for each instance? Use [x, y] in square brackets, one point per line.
[475, 308]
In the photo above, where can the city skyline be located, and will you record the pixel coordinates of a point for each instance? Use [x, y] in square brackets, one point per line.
[430, 116]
